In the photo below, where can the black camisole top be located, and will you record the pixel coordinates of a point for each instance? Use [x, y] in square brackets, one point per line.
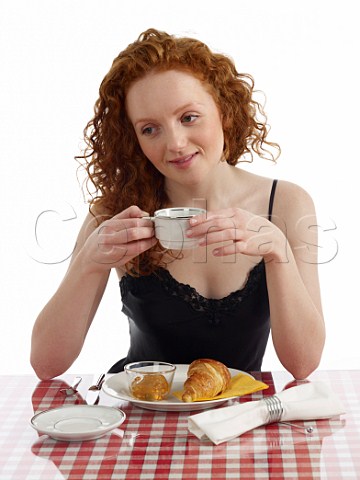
[172, 322]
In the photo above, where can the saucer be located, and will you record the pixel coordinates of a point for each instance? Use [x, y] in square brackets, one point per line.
[77, 422]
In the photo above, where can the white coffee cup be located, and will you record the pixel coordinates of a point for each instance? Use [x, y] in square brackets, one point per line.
[171, 225]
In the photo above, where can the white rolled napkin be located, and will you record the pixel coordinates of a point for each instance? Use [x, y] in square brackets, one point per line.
[309, 401]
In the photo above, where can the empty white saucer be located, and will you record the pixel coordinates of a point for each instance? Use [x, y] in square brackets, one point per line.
[77, 422]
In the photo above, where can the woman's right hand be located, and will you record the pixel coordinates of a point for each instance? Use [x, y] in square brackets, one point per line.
[117, 240]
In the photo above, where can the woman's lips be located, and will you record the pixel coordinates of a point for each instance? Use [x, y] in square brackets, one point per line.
[183, 162]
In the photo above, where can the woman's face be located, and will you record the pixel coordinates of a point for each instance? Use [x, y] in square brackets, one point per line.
[178, 125]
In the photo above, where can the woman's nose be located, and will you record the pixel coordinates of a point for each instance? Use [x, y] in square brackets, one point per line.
[176, 139]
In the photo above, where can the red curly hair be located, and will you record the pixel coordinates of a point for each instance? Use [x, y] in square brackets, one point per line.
[116, 166]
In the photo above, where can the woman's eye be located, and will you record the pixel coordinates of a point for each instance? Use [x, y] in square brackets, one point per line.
[189, 118]
[147, 130]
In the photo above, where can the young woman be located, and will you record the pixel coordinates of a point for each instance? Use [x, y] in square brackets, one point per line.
[172, 122]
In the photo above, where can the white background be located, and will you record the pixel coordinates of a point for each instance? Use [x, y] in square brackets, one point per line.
[54, 54]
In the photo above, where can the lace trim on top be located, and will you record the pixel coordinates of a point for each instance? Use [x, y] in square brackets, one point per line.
[214, 309]
[202, 304]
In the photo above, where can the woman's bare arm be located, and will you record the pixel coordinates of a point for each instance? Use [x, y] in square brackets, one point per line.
[297, 324]
[61, 327]
[288, 245]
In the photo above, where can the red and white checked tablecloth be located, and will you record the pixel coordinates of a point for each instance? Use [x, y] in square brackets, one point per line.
[157, 445]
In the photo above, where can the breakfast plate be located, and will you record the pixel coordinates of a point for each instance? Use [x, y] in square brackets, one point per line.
[117, 386]
[77, 422]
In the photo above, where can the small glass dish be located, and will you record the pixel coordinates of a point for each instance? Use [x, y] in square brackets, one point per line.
[150, 380]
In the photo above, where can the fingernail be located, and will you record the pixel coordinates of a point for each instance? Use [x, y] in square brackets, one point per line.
[189, 233]
[193, 221]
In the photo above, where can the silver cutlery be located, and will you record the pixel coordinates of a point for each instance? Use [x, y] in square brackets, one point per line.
[275, 411]
[93, 393]
[305, 430]
[73, 388]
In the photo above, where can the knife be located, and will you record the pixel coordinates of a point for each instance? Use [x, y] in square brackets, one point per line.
[92, 396]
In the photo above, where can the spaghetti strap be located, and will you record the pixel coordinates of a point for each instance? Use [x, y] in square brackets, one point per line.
[271, 201]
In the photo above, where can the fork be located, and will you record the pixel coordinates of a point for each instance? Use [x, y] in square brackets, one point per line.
[73, 388]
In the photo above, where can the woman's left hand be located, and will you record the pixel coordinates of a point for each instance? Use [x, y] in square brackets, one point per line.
[249, 234]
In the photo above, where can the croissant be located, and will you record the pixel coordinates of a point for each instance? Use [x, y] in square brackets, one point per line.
[206, 379]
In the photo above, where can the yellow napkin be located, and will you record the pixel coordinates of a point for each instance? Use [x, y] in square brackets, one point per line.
[240, 384]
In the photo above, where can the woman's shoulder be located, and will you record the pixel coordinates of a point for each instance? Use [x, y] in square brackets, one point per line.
[93, 219]
[286, 191]
[290, 200]
[286, 187]
[291, 196]
[293, 211]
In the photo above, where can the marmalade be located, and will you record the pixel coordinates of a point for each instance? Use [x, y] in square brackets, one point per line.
[152, 387]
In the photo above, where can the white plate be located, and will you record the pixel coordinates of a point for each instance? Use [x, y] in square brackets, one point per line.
[117, 386]
[77, 422]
